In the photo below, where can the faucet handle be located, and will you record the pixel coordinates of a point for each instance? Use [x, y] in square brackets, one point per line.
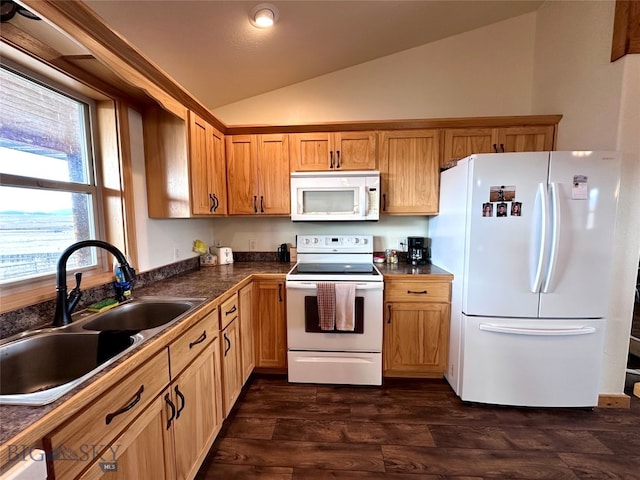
[78, 276]
[74, 295]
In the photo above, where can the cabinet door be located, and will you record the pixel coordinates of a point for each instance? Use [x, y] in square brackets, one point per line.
[142, 451]
[217, 173]
[409, 172]
[270, 329]
[231, 365]
[208, 168]
[245, 299]
[416, 339]
[273, 175]
[525, 139]
[241, 174]
[462, 142]
[198, 158]
[198, 417]
[310, 151]
[355, 150]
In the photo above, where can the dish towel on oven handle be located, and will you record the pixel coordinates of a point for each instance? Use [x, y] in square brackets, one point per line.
[326, 298]
[345, 306]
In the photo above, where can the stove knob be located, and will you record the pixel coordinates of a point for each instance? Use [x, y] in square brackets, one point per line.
[365, 241]
[306, 241]
[315, 240]
[356, 240]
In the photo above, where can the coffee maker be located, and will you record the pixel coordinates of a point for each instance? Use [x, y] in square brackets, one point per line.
[418, 250]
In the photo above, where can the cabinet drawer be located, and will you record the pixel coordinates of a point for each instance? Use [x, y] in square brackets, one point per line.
[81, 440]
[228, 311]
[189, 345]
[418, 291]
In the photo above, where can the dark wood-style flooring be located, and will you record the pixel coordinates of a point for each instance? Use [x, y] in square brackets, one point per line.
[415, 429]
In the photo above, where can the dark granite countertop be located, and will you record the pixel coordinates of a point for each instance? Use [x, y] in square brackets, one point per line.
[207, 282]
[403, 268]
[211, 282]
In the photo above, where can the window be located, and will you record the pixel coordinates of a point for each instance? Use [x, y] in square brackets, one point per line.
[49, 197]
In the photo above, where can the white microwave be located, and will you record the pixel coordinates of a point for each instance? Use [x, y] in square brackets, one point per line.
[335, 196]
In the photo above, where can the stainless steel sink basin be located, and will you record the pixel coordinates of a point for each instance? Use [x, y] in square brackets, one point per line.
[140, 315]
[36, 370]
[39, 367]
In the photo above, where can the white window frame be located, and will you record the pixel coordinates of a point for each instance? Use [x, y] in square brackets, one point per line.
[100, 271]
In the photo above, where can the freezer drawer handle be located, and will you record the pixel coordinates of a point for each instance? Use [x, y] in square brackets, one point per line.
[488, 327]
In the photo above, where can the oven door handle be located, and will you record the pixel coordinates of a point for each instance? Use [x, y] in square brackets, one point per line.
[312, 286]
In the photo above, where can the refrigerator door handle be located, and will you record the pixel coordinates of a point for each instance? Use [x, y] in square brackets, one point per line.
[488, 327]
[554, 234]
[538, 248]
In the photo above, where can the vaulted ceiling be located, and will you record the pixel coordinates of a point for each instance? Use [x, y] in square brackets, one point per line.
[211, 48]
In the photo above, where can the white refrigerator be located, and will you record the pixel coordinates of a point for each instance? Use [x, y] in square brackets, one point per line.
[528, 238]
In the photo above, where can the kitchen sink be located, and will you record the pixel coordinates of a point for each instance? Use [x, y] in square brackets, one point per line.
[39, 367]
[140, 315]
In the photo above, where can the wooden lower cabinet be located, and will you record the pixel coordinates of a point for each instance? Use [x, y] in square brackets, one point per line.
[416, 339]
[416, 328]
[269, 324]
[195, 418]
[245, 305]
[172, 437]
[231, 364]
[140, 452]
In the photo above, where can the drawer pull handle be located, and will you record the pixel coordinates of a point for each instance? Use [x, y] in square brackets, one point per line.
[167, 399]
[229, 312]
[200, 339]
[228, 344]
[110, 416]
[181, 396]
[423, 292]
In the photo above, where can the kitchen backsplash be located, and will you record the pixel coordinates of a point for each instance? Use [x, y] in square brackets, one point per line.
[41, 314]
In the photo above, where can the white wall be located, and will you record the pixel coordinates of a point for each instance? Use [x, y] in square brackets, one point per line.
[271, 232]
[477, 73]
[600, 103]
[157, 239]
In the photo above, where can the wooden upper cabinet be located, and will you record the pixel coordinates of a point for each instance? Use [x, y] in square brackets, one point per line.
[525, 139]
[409, 172]
[208, 174]
[333, 151]
[258, 174]
[185, 165]
[462, 142]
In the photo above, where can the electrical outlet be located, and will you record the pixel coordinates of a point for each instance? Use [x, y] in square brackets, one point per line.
[253, 245]
[402, 243]
[176, 253]
[218, 243]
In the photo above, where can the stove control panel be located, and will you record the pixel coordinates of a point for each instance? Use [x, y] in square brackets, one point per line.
[335, 243]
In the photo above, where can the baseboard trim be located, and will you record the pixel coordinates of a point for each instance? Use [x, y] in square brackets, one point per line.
[610, 400]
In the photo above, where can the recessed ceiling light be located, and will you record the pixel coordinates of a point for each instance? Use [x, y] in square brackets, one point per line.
[263, 15]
